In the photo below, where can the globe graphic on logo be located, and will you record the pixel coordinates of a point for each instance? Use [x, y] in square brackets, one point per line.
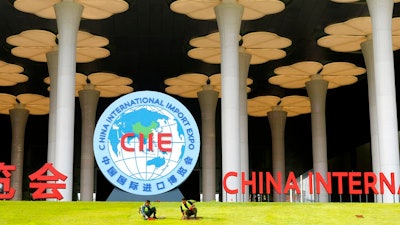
[146, 143]
[140, 155]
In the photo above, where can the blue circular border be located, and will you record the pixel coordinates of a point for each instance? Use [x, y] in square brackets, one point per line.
[150, 187]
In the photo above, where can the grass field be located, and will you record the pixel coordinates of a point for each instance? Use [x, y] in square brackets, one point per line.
[121, 213]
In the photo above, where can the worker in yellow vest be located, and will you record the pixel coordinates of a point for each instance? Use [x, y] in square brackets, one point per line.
[188, 209]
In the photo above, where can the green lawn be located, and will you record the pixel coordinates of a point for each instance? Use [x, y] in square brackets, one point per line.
[121, 213]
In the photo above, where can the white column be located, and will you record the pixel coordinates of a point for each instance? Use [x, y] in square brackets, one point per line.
[88, 99]
[52, 66]
[368, 53]
[208, 99]
[381, 12]
[316, 89]
[19, 117]
[244, 63]
[229, 16]
[68, 19]
[277, 121]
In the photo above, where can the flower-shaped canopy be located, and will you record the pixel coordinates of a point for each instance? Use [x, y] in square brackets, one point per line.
[34, 44]
[348, 36]
[10, 74]
[336, 73]
[35, 104]
[92, 9]
[262, 46]
[187, 85]
[293, 105]
[109, 85]
[204, 9]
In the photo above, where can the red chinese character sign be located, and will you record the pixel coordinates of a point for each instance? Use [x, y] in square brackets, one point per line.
[7, 192]
[146, 143]
[44, 182]
[47, 177]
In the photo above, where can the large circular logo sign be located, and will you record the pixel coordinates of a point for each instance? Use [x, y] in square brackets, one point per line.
[146, 143]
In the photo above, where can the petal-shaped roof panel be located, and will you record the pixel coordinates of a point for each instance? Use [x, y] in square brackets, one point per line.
[300, 69]
[184, 91]
[93, 9]
[37, 54]
[187, 85]
[80, 79]
[261, 105]
[293, 105]
[10, 68]
[265, 40]
[85, 55]
[8, 79]
[198, 9]
[360, 26]
[7, 102]
[33, 38]
[35, 44]
[255, 9]
[212, 40]
[108, 79]
[35, 104]
[349, 35]
[107, 91]
[86, 39]
[259, 56]
[190, 79]
[342, 69]
[263, 46]
[108, 84]
[337, 81]
[342, 43]
[336, 73]
[204, 9]
[10, 74]
[207, 55]
[291, 82]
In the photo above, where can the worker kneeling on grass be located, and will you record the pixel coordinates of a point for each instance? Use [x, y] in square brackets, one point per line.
[188, 209]
[147, 210]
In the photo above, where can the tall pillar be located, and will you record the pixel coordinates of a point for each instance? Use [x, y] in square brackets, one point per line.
[229, 15]
[88, 99]
[19, 117]
[277, 121]
[317, 89]
[368, 53]
[208, 99]
[52, 66]
[381, 12]
[68, 19]
[244, 63]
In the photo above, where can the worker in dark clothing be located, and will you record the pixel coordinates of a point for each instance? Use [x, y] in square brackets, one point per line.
[147, 210]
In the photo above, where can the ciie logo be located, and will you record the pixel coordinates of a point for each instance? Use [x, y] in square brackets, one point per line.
[146, 143]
